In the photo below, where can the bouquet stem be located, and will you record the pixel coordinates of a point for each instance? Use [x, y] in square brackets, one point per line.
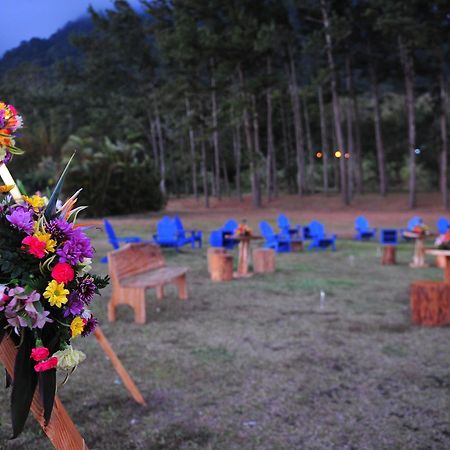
[7, 178]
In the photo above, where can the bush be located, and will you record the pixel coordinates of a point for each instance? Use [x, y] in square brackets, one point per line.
[117, 178]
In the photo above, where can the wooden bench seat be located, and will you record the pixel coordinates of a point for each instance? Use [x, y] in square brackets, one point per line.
[133, 269]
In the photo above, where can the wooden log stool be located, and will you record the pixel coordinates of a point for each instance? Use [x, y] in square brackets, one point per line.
[221, 266]
[389, 255]
[430, 303]
[214, 251]
[263, 260]
[441, 261]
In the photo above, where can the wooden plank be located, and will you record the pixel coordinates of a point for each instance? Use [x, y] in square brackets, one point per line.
[118, 366]
[61, 431]
[153, 278]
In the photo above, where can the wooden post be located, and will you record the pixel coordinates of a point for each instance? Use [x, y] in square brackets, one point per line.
[389, 255]
[214, 251]
[430, 303]
[61, 431]
[244, 254]
[121, 371]
[221, 267]
[263, 260]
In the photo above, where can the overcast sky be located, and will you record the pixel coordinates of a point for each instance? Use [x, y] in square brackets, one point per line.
[25, 19]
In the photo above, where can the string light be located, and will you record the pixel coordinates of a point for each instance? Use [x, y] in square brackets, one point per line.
[338, 153]
[319, 155]
[347, 155]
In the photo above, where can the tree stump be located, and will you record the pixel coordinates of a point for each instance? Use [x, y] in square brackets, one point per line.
[221, 267]
[430, 303]
[214, 251]
[389, 254]
[296, 246]
[263, 260]
[441, 261]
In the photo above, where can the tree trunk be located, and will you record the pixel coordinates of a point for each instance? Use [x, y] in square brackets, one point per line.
[324, 140]
[444, 135]
[162, 159]
[309, 146]
[226, 179]
[270, 161]
[350, 121]
[152, 128]
[382, 181]
[192, 148]
[215, 134]
[259, 156]
[356, 163]
[335, 100]
[408, 71]
[204, 173]
[249, 142]
[298, 127]
[237, 158]
[285, 139]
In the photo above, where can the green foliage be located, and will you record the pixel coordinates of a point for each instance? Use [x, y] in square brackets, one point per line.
[117, 178]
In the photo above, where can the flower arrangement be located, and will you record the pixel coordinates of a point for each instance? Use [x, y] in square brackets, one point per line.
[46, 288]
[442, 242]
[10, 122]
[421, 230]
[243, 229]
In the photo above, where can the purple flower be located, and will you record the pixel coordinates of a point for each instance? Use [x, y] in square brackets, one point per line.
[21, 218]
[86, 289]
[41, 319]
[89, 326]
[76, 248]
[74, 305]
[60, 229]
[7, 157]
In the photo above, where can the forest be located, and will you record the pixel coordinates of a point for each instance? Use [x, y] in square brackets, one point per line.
[212, 98]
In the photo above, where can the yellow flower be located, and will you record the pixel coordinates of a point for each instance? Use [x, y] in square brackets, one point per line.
[35, 201]
[50, 244]
[6, 188]
[56, 294]
[77, 326]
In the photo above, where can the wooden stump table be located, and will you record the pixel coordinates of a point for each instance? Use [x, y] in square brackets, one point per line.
[419, 249]
[263, 260]
[212, 251]
[221, 266]
[430, 300]
[389, 255]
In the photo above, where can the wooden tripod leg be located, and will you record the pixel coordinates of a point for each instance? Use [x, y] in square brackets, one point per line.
[121, 371]
[61, 431]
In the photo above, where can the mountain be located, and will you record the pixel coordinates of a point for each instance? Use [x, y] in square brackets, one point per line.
[45, 52]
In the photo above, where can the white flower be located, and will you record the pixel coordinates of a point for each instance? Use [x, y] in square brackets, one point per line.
[69, 358]
[85, 267]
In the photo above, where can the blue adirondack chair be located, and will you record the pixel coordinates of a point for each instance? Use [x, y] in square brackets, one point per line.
[167, 234]
[286, 228]
[414, 221]
[221, 237]
[363, 230]
[442, 225]
[388, 236]
[306, 233]
[281, 242]
[320, 241]
[115, 240]
[195, 236]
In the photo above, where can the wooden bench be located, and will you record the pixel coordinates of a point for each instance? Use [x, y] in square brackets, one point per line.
[133, 269]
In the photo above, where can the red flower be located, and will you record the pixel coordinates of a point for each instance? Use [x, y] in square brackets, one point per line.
[35, 246]
[63, 273]
[46, 365]
[39, 353]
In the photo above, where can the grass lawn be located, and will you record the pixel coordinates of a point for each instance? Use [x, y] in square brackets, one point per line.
[261, 363]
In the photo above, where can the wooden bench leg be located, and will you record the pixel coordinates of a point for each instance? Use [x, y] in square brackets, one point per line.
[160, 292]
[136, 299]
[112, 306]
[182, 287]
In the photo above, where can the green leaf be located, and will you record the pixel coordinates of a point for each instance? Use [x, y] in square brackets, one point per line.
[24, 385]
[47, 390]
[50, 210]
